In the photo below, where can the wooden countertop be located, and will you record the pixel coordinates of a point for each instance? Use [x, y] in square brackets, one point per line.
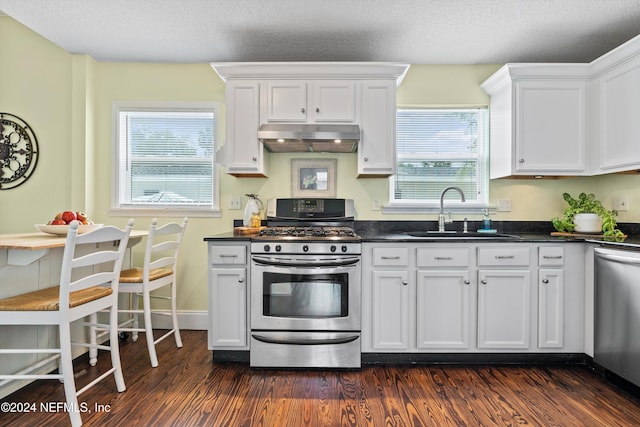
[38, 240]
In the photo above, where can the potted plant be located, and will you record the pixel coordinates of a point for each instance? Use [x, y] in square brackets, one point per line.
[573, 218]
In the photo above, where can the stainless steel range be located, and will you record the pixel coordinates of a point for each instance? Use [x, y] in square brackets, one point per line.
[305, 286]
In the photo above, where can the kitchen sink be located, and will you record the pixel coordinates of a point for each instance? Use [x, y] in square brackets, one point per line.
[459, 235]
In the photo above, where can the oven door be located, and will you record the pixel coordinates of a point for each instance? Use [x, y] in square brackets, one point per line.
[307, 293]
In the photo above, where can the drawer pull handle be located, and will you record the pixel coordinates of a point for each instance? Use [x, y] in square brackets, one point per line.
[484, 282]
[228, 255]
[390, 257]
[443, 258]
[504, 256]
[552, 257]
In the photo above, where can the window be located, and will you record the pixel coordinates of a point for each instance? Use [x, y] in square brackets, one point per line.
[165, 158]
[438, 148]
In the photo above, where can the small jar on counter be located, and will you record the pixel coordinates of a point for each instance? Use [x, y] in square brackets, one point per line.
[256, 221]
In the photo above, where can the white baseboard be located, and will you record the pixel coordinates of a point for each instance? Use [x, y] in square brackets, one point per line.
[189, 319]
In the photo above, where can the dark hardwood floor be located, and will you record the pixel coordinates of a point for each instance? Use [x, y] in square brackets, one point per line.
[187, 389]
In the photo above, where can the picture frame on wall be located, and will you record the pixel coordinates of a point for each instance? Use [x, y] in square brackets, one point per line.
[313, 178]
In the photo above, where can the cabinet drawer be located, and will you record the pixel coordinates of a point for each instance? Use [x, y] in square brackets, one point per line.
[443, 257]
[391, 257]
[507, 256]
[228, 254]
[550, 255]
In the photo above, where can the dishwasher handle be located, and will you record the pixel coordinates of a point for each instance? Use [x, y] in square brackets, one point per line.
[618, 258]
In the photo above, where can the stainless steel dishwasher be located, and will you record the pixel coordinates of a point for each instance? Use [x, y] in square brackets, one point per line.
[617, 312]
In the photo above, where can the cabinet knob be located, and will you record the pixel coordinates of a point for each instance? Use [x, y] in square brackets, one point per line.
[467, 282]
[241, 280]
[317, 110]
[484, 282]
[255, 159]
[366, 159]
[545, 280]
[405, 283]
[521, 161]
[302, 110]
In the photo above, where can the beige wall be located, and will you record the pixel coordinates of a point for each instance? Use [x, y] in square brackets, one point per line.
[67, 100]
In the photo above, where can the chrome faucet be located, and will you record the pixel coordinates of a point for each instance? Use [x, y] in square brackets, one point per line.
[441, 220]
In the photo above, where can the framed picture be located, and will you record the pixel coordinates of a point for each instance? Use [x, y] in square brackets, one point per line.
[313, 178]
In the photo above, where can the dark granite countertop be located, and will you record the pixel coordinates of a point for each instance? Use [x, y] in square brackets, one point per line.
[523, 231]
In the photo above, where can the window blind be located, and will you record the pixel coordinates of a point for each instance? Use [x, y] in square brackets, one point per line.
[166, 158]
[437, 148]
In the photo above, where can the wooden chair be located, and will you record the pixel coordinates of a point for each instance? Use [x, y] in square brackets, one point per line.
[88, 284]
[158, 271]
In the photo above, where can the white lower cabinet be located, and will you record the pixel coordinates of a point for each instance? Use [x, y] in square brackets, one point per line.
[504, 300]
[504, 297]
[228, 296]
[444, 315]
[445, 298]
[484, 297]
[551, 308]
[387, 294]
[390, 303]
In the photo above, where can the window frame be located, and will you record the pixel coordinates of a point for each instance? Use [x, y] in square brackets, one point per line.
[454, 205]
[166, 210]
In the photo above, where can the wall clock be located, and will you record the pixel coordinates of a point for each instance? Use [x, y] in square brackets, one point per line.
[18, 151]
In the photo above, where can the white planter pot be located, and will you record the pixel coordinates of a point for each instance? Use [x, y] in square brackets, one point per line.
[588, 223]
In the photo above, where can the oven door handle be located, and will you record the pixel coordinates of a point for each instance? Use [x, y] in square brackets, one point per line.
[306, 341]
[296, 262]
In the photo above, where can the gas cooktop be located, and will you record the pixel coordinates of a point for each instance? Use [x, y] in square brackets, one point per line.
[307, 233]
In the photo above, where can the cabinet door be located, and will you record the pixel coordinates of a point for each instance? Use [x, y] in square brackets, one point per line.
[333, 101]
[443, 309]
[551, 308]
[377, 147]
[504, 308]
[390, 295]
[244, 152]
[550, 125]
[619, 112]
[286, 101]
[228, 308]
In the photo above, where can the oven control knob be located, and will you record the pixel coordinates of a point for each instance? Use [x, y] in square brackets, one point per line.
[267, 248]
[333, 248]
[305, 248]
[344, 248]
[278, 248]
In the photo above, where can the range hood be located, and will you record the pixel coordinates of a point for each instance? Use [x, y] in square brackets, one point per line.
[303, 138]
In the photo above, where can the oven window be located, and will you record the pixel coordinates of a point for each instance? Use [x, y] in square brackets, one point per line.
[305, 296]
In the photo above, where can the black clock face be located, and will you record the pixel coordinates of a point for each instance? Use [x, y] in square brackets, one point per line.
[18, 151]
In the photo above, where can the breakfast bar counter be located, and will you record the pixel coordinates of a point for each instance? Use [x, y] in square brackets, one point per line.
[25, 248]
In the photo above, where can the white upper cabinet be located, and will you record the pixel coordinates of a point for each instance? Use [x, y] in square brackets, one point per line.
[538, 120]
[360, 93]
[566, 119]
[616, 108]
[243, 154]
[314, 101]
[377, 148]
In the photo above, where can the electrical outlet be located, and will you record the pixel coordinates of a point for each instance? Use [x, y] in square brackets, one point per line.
[375, 205]
[621, 204]
[504, 205]
[235, 203]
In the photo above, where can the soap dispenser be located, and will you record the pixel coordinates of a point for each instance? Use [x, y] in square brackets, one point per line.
[486, 221]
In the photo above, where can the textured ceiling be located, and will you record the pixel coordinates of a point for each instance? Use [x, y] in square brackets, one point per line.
[411, 31]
